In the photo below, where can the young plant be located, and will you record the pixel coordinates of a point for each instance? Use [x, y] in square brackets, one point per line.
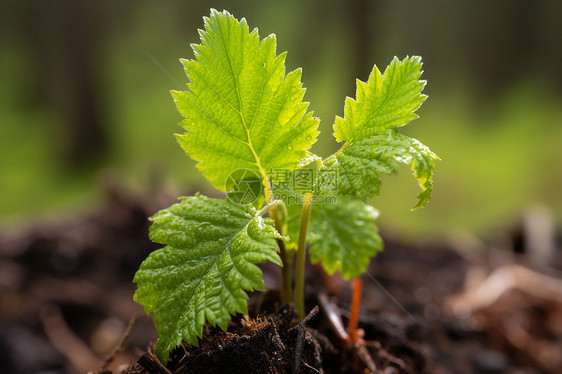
[250, 132]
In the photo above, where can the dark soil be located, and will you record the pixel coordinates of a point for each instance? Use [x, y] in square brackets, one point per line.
[435, 307]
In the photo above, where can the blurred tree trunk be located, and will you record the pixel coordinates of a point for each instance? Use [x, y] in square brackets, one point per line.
[360, 19]
[505, 43]
[65, 37]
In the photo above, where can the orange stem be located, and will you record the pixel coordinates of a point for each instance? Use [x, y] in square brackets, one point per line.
[356, 285]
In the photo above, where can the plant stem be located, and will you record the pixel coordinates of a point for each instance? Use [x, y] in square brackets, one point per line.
[286, 257]
[301, 257]
[286, 274]
[356, 285]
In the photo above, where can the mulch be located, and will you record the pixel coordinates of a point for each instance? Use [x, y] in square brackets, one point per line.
[454, 305]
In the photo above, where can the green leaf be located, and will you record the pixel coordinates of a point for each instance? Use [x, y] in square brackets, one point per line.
[247, 188]
[359, 166]
[201, 275]
[373, 145]
[384, 102]
[343, 236]
[240, 109]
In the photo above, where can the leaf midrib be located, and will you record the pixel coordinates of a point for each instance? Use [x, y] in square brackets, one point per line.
[249, 140]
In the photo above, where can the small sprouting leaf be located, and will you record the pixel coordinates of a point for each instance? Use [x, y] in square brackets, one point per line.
[358, 166]
[373, 144]
[343, 236]
[241, 111]
[384, 102]
[201, 275]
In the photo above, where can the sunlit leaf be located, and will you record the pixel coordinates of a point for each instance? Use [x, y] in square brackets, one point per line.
[241, 111]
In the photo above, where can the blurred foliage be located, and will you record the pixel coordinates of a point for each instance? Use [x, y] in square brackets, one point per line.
[493, 113]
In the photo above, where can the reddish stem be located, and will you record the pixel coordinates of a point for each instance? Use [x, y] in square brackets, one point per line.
[356, 285]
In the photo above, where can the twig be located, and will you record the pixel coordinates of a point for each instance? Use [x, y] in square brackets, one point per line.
[151, 363]
[300, 338]
[65, 341]
[502, 280]
[333, 316]
[311, 368]
[384, 355]
[111, 356]
[335, 320]
[546, 353]
[366, 358]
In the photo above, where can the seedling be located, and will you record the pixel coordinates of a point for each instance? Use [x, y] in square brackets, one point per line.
[250, 132]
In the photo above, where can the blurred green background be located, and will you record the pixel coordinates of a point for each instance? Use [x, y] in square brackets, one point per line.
[85, 91]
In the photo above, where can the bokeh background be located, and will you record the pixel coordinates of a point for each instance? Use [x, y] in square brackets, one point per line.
[84, 92]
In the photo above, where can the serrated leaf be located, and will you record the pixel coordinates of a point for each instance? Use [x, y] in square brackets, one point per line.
[343, 237]
[359, 166]
[240, 109]
[383, 102]
[201, 275]
[373, 145]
